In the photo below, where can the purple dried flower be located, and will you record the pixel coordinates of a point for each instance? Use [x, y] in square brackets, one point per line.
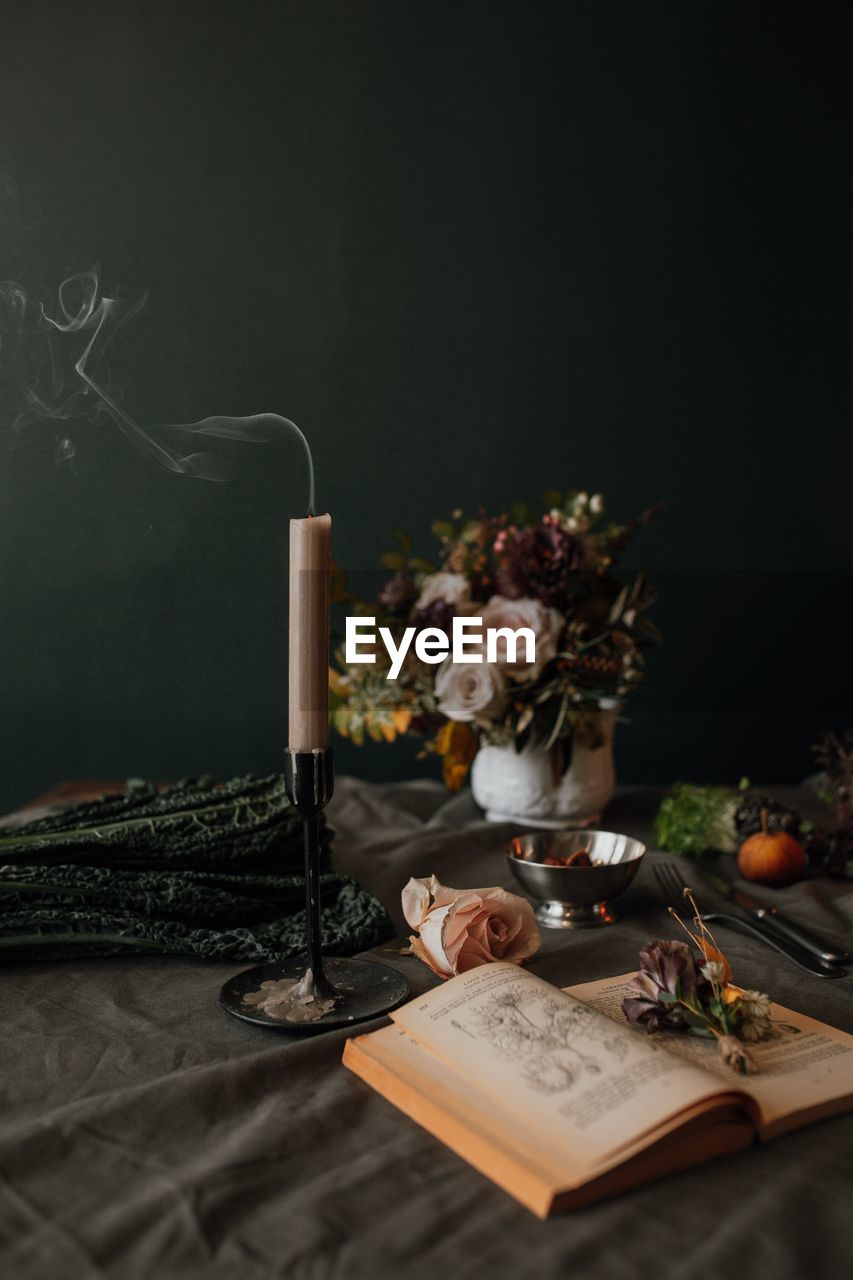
[669, 970]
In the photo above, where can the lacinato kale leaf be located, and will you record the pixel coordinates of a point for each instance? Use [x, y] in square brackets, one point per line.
[214, 871]
[352, 921]
[241, 824]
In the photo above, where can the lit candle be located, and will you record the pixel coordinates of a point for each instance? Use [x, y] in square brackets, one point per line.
[308, 684]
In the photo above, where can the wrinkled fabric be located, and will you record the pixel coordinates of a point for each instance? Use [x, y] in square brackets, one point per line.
[144, 1134]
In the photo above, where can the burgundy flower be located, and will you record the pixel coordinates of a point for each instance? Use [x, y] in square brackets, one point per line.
[540, 562]
[437, 614]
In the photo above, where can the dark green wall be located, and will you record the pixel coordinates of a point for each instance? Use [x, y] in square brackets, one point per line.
[475, 250]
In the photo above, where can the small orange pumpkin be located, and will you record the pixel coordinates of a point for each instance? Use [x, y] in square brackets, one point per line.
[771, 857]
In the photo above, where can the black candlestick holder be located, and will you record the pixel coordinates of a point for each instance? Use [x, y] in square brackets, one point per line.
[352, 990]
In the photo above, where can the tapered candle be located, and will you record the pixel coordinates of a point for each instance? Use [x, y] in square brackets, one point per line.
[308, 682]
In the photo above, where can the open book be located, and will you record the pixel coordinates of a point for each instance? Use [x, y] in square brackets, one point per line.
[559, 1100]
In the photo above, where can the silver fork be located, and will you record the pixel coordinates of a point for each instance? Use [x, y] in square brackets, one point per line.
[672, 887]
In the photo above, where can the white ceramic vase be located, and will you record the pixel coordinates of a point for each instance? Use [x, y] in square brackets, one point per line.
[520, 787]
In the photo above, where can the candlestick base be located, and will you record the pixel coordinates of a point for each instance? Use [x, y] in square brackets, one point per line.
[341, 992]
[364, 990]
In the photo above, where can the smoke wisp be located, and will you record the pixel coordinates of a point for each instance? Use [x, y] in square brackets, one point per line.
[53, 368]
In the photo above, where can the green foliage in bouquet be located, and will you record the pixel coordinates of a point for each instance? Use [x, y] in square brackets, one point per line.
[554, 573]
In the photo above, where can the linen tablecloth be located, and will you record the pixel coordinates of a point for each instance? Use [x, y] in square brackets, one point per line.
[146, 1134]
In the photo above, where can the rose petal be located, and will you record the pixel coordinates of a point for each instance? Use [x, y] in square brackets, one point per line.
[472, 955]
[432, 941]
[460, 915]
[419, 950]
[442, 895]
[498, 936]
[415, 899]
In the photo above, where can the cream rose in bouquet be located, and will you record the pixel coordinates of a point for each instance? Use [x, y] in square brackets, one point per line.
[466, 693]
[459, 929]
[546, 624]
[445, 588]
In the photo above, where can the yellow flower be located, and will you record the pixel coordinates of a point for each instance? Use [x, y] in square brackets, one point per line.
[339, 684]
[457, 743]
[402, 718]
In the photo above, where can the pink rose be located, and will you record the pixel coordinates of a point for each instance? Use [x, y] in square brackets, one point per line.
[545, 623]
[459, 929]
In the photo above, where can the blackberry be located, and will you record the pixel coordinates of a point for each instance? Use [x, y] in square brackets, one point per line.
[779, 818]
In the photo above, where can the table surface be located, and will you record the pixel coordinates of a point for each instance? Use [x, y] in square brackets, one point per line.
[145, 1134]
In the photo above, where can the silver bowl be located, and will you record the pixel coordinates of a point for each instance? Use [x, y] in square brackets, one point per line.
[574, 897]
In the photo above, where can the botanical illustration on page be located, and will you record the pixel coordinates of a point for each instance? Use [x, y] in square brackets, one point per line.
[556, 1044]
[574, 1075]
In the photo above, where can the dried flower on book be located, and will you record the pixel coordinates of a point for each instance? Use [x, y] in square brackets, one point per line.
[677, 990]
[458, 929]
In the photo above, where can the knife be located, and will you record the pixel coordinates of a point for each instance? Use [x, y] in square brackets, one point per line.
[752, 928]
[776, 923]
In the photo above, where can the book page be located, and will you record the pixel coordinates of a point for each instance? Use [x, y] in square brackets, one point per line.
[801, 1072]
[396, 1050]
[575, 1077]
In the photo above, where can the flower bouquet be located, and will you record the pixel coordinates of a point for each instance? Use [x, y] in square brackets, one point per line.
[553, 574]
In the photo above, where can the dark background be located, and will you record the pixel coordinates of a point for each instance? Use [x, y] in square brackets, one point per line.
[476, 250]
